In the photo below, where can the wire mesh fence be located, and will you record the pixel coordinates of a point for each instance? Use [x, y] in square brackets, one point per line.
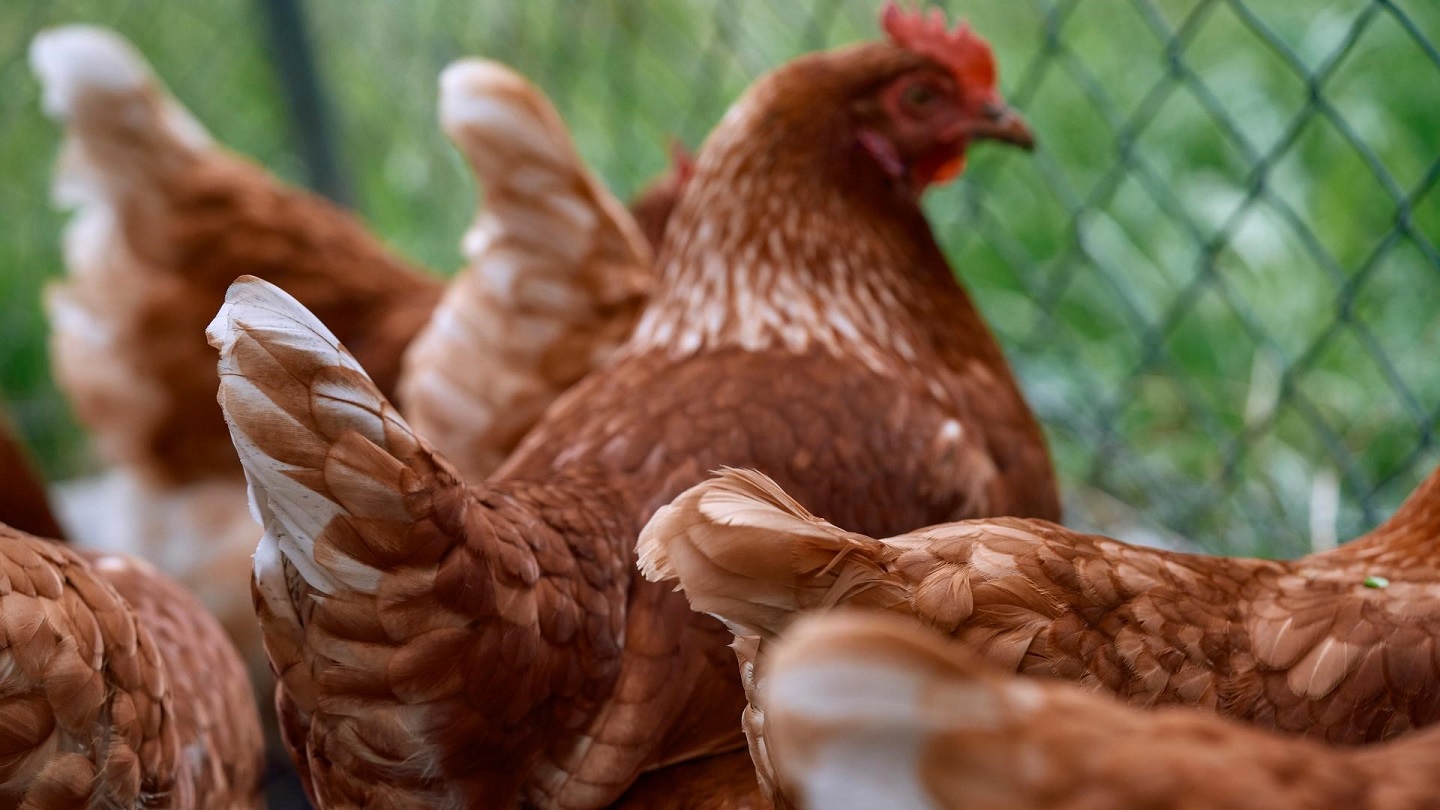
[1218, 278]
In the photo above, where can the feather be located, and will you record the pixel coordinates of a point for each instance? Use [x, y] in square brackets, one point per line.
[875, 711]
[116, 687]
[1303, 647]
[557, 271]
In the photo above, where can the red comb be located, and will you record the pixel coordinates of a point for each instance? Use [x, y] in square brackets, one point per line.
[682, 160]
[962, 51]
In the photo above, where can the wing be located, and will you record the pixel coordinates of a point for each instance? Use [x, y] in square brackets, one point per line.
[557, 272]
[1339, 660]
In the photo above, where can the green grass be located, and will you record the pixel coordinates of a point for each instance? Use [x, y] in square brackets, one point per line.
[1303, 353]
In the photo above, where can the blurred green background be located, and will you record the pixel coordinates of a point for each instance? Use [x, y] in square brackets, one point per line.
[1218, 278]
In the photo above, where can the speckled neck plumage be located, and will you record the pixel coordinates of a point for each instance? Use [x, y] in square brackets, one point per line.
[799, 247]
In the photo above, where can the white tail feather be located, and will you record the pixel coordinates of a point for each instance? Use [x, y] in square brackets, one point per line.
[287, 407]
[557, 271]
[80, 64]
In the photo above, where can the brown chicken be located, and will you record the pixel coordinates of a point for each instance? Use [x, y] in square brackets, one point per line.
[557, 275]
[165, 219]
[493, 643]
[24, 504]
[1343, 645]
[869, 711]
[117, 689]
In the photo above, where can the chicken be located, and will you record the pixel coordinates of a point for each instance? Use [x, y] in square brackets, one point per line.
[874, 711]
[165, 220]
[557, 276]
[117, 688]
[492, 643]
[1343, 646]
[24, 504]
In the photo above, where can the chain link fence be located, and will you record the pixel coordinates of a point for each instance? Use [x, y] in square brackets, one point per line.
[1218, 277]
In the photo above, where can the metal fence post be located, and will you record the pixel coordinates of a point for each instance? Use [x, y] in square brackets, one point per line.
[287, 32]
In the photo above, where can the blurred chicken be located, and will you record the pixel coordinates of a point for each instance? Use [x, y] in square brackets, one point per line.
[117, 688]
[493, 644]
[871, 711]
[165, 219]
[1342, 645]
[24, 504]
[558, 273]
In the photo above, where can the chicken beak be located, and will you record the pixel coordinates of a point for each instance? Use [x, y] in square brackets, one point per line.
[1000, 123]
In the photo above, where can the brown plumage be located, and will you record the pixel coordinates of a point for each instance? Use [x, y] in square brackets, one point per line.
[874, 711]
[1341, 645]
[24, 504]
[117, 688]
[805, 321]
[720, 782]
[557, 274]
[166, 219]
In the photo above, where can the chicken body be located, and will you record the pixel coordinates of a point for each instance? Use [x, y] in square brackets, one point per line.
[118, 689]
[448, 645]
[871, 711]
[1341, 645]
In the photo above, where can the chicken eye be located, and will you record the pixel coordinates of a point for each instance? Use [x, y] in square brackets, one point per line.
[919, 97]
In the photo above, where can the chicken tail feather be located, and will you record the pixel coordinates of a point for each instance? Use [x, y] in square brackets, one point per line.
[746, 552]
[119, 119]
[318, 442]
[557, 273]
[125, 139]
